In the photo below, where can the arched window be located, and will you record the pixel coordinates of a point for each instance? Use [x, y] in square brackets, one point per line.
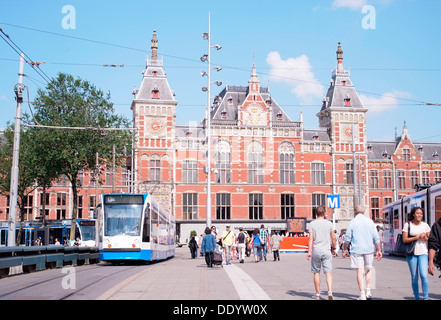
[286, 163]
[223, 162]
[255, 163]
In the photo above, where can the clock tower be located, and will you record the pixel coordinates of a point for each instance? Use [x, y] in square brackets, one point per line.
[344, 116]
[154, 114]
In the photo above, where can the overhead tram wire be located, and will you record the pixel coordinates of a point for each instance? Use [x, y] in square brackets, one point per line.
[223, 66]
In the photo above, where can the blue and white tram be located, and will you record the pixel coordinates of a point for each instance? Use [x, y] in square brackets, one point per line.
[396, 213]
[135, 227]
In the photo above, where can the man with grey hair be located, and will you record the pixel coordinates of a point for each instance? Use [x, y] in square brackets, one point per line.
[362, 234]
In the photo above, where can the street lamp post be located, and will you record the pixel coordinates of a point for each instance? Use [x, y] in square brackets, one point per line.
[207, 58]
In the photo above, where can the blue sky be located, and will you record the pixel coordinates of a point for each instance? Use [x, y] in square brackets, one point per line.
[394, 66]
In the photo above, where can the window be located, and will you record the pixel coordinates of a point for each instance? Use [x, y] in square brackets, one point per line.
[387, 201]
[255, 206]
[286, 168]
[286, 163]
[401, 179]
[317, 173]
[223, 206]
[255, 163]
[27, 201]
[222, 157]
[155, 170]
[406, 154]
[287, 206]
[109, 176]
[437, 176]
[414, 178]
[190, 171]
[61, 199]
[80, 206]
[349, 171]
[223, 168]
[190, 206]
[425, 176]
[318, 199]
[387, 179]
[373, 179]
[375, 208]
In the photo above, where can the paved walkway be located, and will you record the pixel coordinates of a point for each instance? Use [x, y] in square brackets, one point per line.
[182, 278]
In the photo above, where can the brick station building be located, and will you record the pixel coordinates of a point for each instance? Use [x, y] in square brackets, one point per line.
[266, 167]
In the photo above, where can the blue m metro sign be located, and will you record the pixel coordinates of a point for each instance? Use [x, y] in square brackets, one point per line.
[333, 200]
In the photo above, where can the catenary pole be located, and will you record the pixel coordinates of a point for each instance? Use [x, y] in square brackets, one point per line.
[18, 89]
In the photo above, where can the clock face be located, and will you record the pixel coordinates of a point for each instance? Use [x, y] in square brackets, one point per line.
[155, 126]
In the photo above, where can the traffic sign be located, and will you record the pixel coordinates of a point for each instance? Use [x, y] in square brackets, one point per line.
[333, 200]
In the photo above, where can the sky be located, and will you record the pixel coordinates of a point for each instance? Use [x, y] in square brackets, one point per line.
[391, 47]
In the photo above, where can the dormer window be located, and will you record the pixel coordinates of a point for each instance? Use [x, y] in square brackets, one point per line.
[347, 101]
[315, 136]
[279, 116]
[268, 102]
[343, 83]
[369, 147]
[435, 154]
[420, 148]
[224, 114]
[155, 73]
[188, 134]
[385, 154]
[155, 93]
[230, 100]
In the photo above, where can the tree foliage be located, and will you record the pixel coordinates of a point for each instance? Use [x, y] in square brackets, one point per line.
[75, 103]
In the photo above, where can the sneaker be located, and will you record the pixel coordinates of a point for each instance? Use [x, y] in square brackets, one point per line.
[316, 297]
[330, 297]
[362, 297]
[368, 296]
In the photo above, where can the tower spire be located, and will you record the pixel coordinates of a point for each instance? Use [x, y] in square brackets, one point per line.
[339, 58]
[154, 46]
[254, 81]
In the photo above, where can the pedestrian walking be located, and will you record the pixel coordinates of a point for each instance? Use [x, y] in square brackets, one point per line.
[321, 242]
[256, 245]
[241, 243]
[381, 235]
[193, 245]
[275, 240]
[208, 245]
[416, 230]
[227, 239]
[264, 240]
[435, 247]
[362, 235]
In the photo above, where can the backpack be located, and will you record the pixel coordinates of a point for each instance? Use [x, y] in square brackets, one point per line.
[241, 238]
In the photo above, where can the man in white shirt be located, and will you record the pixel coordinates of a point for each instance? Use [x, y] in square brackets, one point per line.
[321, 241]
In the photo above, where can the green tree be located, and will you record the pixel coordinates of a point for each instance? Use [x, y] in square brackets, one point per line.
[74, 117]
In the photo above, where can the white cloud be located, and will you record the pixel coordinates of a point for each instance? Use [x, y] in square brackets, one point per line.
[296, 72]
[387, 102]
[5, 98]
[351, 4]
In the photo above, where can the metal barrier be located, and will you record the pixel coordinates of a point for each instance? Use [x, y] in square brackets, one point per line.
[28, 259]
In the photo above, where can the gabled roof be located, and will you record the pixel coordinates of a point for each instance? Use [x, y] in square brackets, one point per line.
[227, 103]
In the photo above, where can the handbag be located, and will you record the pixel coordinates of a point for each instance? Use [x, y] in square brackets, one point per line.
[410, 247]
[404, 249]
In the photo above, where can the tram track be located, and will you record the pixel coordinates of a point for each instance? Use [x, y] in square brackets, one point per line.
[52, 282]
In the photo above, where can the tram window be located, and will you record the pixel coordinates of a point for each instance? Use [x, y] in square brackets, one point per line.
[146, 226]
[437, 208]
[396, 224]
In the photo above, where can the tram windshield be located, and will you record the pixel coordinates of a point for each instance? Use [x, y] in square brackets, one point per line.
[122, 219]
[87, 230]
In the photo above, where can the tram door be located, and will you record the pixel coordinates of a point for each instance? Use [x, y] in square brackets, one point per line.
[437, 208]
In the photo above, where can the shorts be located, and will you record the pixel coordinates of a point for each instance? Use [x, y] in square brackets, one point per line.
[319, 259]
[362, 260]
